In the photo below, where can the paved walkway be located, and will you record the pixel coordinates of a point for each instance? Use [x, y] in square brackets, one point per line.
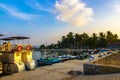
[57, 71]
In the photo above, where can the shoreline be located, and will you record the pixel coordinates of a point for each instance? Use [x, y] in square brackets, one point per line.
[56, 71]
[114, 76]
[59, 71]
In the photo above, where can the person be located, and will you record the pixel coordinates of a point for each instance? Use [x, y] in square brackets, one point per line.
[100, 55]
[91, 57]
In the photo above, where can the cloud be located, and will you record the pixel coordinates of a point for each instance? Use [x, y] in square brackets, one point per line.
[40, 7]
[37, 6]
[15, 12]
[73, 12]
[29, 23]
[117, 8]
[115, 5]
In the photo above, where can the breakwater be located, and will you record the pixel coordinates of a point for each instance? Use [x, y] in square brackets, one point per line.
[105, 65]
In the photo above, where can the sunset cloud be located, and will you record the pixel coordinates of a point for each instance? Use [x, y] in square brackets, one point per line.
[74, 12]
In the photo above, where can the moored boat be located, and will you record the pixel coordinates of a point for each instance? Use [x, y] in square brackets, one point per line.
[48, 61]
[15, 57]
[11, 57]
[26, 53]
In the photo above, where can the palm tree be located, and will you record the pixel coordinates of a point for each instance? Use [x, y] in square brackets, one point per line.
[94, 40]
[78, 40]
[89, 42]
[109, 37]
[70, 38]
[84, 39]
[102, 40]
[115, 37]
[64, 42]
[59, 44]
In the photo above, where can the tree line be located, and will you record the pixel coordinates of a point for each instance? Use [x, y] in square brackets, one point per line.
[83, 40]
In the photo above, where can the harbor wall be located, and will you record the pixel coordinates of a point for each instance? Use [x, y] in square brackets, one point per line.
[106, 65]
[111, 59]
[92, 69]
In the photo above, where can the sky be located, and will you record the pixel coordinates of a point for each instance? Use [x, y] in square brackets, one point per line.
[47, 20]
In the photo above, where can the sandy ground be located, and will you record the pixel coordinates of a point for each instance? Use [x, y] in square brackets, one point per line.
[59, 71]
[115, 76]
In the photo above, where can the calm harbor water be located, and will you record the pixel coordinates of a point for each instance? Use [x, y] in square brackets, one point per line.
[36, 55]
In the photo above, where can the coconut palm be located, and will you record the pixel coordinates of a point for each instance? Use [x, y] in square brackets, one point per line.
[84, 39]
[70, 39]
[102, 40]
[94, 40]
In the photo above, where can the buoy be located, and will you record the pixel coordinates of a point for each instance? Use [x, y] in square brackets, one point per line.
[18, 48]
[28, 47]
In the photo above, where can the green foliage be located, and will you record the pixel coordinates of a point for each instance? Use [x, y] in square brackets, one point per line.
[83, 40]
[42, 46]
[52, 46]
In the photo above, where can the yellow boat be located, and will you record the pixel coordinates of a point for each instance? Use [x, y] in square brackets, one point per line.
[15, 57]
[27, 57]
[1, 65]
[11, 57]
[26, 53]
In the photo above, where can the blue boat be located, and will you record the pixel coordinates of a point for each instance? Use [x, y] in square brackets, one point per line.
[43, 61]
[48, 61]
[67, 57]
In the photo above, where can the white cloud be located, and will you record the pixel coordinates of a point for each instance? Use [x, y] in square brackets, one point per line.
[37, 6]
[115, 5]
[73, 12]
[40, 7]
[117, 8]
[29, 23]
[15, 12]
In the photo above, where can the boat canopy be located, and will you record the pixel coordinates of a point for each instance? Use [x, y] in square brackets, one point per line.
[1, 35]
[7, 39]
[19, 37]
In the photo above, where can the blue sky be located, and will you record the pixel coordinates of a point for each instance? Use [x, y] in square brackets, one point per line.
[47, 20]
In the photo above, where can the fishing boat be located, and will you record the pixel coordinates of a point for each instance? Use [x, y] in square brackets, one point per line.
[63, 57]
[43, 61]
[48, 61]
[66, 56]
